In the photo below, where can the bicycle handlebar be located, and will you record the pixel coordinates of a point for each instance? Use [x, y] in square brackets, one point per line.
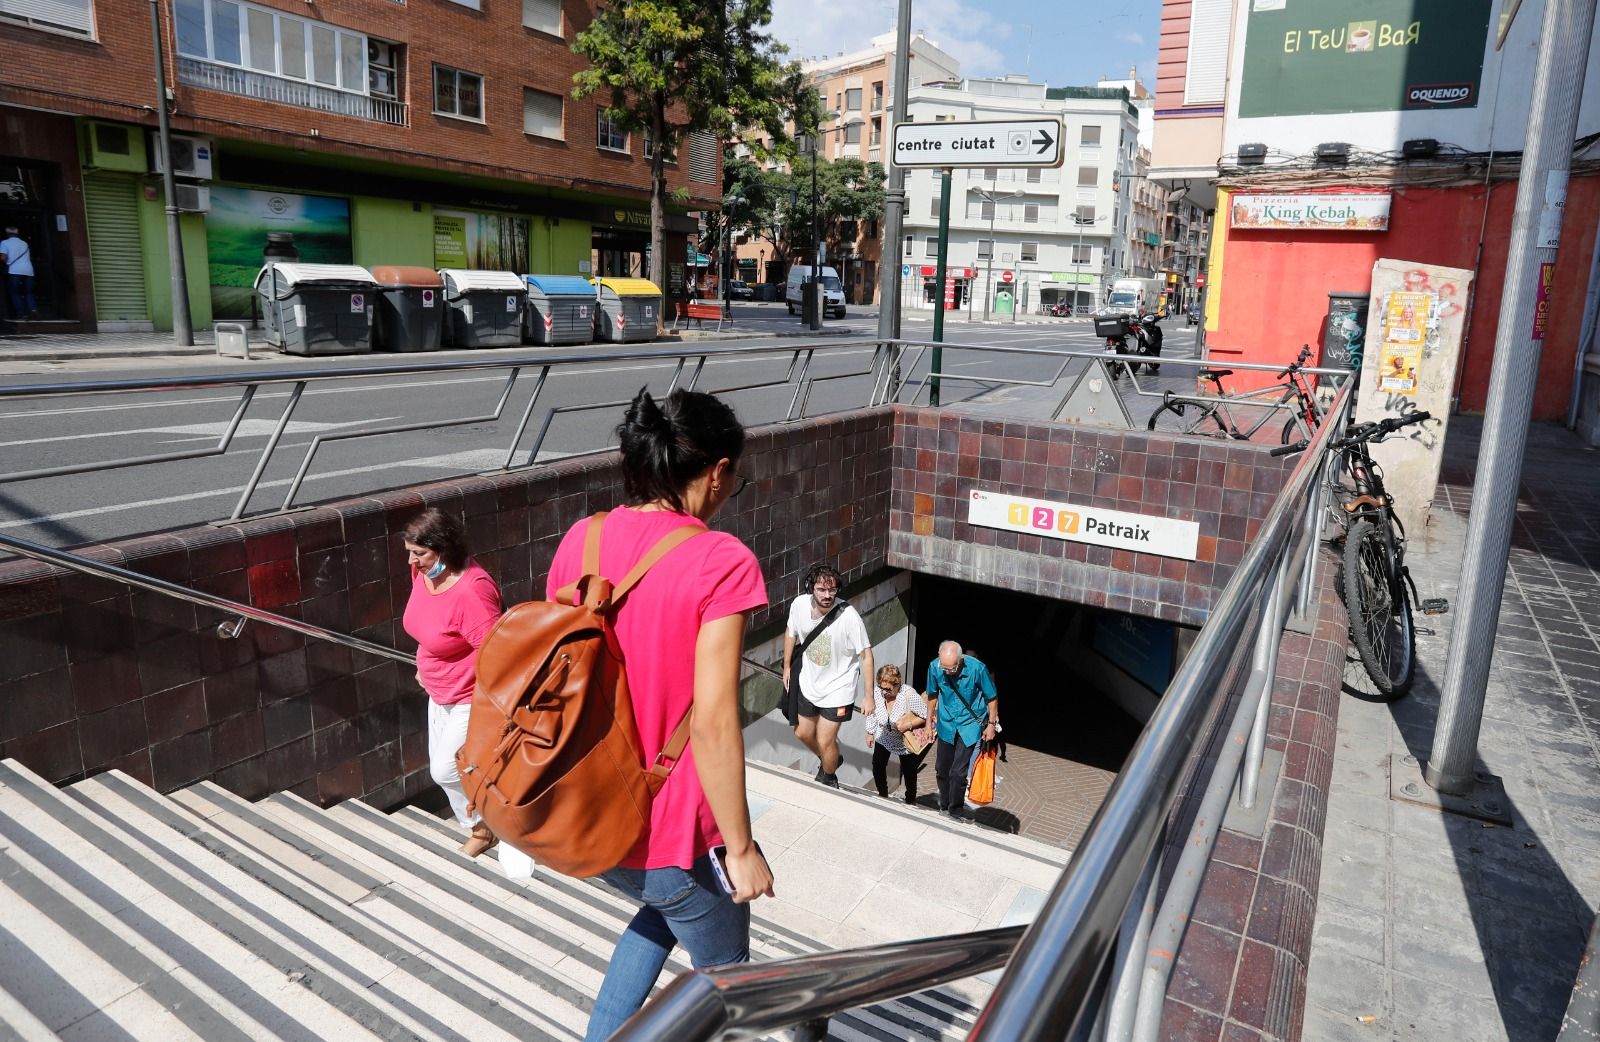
[1377, 430]
[1288, 450]
[1305, 353]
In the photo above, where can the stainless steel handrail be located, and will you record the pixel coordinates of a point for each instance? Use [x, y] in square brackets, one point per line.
[755, 999]
[1059, 962]
[242, 612]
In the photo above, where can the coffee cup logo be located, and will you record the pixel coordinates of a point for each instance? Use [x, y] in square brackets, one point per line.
[1361, 37]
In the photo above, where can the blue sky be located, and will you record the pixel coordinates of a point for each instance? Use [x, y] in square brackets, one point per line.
[1062, 42]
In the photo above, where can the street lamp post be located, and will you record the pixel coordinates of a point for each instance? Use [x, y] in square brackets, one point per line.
[819, 305]
[988, 278]
[730, 202]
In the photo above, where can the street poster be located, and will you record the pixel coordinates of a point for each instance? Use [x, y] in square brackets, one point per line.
[479, 241]
[1405, 327]
[1315, 57]
[236, 235]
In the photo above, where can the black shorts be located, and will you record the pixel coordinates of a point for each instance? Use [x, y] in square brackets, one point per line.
[838, 714]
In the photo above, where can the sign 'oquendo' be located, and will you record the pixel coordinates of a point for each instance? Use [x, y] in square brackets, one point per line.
[1017, 142]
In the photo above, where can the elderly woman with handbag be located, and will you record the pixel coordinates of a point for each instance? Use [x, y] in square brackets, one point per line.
[899, 725]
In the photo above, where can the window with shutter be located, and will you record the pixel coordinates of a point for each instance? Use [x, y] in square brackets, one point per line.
[1206, 78]
[73, 16]
[702, 148]
[543, 15]
[541, 114]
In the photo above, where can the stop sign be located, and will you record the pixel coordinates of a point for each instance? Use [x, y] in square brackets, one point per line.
[1005, 276]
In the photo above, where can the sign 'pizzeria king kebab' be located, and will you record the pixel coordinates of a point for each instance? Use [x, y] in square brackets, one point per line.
[1311, 211]
[1118, 529]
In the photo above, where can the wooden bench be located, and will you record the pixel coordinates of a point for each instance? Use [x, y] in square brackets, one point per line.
[699, 311]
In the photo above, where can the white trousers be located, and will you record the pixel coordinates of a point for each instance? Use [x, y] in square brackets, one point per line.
[447, 730]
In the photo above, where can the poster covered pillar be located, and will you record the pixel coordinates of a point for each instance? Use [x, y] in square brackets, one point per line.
[1413, 342]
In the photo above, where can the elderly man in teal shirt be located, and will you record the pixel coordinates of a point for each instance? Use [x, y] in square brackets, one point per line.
[965, 710]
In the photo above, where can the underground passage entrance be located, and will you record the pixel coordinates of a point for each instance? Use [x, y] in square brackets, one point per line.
[1076, 685]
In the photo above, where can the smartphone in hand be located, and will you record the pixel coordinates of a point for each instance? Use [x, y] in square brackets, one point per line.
[719, 866]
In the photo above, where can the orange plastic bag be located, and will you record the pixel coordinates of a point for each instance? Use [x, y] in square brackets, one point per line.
[980, 789]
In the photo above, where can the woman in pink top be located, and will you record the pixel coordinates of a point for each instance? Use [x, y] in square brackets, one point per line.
[453, 604]
[681, 631]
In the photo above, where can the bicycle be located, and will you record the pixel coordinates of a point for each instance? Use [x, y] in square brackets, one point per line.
[1213, 418]
[1379, 592]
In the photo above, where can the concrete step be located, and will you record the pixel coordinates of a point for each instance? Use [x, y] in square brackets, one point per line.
[127, 915]
[107, 938]
[365, 966]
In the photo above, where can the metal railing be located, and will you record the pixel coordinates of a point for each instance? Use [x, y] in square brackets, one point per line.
[1097, 959]
[251, 84]
[228, 628]
[888, 376]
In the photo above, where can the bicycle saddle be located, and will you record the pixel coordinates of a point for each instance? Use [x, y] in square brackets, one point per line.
[1215, 374]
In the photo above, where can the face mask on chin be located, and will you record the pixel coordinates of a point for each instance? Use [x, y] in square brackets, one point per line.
[436, 571]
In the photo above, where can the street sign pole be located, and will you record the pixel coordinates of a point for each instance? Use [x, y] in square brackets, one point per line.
[939, 276]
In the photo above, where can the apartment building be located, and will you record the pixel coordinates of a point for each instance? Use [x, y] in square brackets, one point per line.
[438, 133]
[1035, 236]
[857, 90]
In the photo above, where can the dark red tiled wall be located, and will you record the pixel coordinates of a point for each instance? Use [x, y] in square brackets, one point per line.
[1241, 971]
[95, 676]
[940, 457]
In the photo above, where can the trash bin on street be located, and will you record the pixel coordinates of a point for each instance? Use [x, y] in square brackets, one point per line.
[317, 309]
[561, 310]
[629, 310]
[484, 308]
[411, 309]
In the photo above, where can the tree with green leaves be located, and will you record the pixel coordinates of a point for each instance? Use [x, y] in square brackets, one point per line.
[848, 191]
[677, 67]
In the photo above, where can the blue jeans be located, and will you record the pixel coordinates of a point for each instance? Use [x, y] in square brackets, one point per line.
[23, 302]
[678, 908]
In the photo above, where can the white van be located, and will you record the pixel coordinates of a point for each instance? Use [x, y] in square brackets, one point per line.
[1136, 297]
[832, 289]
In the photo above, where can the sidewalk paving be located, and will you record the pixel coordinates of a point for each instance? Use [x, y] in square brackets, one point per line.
[1435, 926]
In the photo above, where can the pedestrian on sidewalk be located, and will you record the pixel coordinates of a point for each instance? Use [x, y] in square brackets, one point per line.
[681, 634]
[898, 727]
[19, 275]
[453, 604]
[966, 711]
[835, 655]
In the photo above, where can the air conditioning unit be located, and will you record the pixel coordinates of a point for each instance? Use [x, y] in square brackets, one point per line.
[191, 156]
[193, 198]
[112, 146]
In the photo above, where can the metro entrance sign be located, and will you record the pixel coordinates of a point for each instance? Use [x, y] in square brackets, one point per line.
[1019, 142]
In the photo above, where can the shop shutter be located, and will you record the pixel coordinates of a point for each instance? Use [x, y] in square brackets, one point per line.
[112, 204]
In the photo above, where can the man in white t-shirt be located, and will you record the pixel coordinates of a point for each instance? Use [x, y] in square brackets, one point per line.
[833, 666]
[19, 275]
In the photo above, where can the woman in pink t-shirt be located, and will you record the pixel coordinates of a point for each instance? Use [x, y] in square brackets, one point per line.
[681, 630]
[452, 606]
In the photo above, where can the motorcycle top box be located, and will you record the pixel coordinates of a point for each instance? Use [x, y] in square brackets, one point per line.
[1111, 325]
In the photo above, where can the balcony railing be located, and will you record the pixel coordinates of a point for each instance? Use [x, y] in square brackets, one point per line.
[195, 73]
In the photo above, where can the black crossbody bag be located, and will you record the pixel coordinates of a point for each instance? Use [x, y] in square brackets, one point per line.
[790, 703]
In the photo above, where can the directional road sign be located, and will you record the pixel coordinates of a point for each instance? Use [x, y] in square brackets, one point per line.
[1019, 142]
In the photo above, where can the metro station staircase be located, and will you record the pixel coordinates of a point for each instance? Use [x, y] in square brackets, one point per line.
[128, 915]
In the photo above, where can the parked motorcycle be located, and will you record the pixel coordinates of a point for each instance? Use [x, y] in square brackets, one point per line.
[1145, 332]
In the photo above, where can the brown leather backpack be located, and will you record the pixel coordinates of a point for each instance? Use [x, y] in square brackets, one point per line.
[552, 758]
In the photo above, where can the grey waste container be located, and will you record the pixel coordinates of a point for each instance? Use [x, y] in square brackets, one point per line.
[484, 308]
[317, 309]
[411, 309]
[629, 310]
[560, 310]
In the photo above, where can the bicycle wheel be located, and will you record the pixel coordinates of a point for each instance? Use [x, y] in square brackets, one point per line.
[1380, 611]
[1290, 431]
[1182, 416]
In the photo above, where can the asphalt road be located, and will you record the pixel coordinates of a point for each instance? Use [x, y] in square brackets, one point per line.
[105, 504]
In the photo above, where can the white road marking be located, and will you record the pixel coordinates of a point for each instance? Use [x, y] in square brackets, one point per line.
[385, 386]
[467, 460]
[202, 431]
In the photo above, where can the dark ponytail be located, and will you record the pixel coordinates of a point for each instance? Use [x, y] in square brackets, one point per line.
[667, 444]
